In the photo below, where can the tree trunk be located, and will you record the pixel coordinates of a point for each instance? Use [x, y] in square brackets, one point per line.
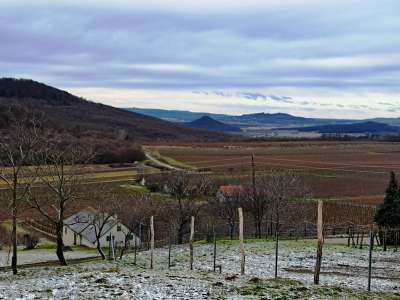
[103, 257]
[231, 230]
[14, 238]
[180, 233]
[60, 244]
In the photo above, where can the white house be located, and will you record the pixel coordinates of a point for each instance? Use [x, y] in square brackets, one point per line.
[80, 229]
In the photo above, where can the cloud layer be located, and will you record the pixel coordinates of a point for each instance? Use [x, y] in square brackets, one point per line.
[309, 54]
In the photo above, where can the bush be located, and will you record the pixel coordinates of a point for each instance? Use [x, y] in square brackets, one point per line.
[120, 156]
[155, 182]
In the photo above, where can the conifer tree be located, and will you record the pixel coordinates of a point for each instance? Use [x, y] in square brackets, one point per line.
[388, 213]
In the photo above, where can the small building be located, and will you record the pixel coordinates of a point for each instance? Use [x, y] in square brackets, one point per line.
[227, 192]
[80, 229]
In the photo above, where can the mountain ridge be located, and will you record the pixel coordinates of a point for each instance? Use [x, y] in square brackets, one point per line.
[208, 123]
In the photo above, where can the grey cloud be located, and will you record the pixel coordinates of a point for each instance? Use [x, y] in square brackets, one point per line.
[110, 45]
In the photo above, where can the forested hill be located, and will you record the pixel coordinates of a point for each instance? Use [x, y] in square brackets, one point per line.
[63, 111]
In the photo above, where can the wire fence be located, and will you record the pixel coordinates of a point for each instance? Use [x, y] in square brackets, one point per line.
[358, 236]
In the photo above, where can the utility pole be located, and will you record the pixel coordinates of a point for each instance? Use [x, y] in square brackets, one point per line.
[253, 175]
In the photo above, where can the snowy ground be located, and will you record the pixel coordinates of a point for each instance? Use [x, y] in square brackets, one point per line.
[344, 275]
[37, 255]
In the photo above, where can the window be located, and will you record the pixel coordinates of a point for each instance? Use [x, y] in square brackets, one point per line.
[119, 228]
[65, 230]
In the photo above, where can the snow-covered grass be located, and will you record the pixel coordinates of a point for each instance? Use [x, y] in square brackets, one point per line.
[344, 275]
[43, 255]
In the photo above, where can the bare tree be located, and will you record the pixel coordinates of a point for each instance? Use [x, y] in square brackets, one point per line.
[134, 212]
[59, 171]
[282, 188]
[100, 222]
[16, 151]
[187, 191]
[257, 202]
[226, 205]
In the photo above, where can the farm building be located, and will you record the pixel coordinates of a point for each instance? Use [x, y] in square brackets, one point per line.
[227, 192]
[80, 229]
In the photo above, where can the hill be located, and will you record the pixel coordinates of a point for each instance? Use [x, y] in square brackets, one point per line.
[256, 119]
[369, 127]
[64, 111]
[175, 115]
[208, 123]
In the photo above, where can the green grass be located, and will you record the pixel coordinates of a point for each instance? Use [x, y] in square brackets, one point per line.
[284, 288]
[169, 160]
[135, 188]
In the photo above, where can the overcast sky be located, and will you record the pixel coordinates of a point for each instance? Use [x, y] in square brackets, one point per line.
[311, 58]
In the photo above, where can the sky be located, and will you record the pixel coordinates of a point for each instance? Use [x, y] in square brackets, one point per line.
[336, 59]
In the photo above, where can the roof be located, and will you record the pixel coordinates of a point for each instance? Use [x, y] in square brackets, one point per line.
[230, 190]
[82, 223]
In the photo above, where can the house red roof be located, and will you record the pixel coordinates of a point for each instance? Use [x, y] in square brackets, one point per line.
[229, 190]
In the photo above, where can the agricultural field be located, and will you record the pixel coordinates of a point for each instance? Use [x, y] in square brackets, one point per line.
[351, 171]
[343, 276]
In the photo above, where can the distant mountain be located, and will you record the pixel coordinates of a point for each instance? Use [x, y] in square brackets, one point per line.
[276, 119]
[175, 115]
[65, 112]
[355, 128]
[256, 119]
[208, 123]
[389, 121]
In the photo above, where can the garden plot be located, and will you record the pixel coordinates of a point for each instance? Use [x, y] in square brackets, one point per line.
[344, 275]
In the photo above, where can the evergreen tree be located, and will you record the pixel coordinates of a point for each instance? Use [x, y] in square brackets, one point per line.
[388, 213]
[392, 191]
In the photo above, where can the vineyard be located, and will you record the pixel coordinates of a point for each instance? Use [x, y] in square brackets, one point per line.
[350, 171]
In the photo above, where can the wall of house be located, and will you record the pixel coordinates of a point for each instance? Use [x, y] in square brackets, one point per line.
[119, 237]
[69, 239]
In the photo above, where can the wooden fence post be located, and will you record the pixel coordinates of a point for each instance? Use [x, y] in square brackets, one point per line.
[276, 247]
[215, 250]
[169, 247]
[371, 247]
[151, 242]
[319, 243]
[385, 239]
[241, 239]
[348, 238]
[191, 242]
[362, 239]
[134, 249]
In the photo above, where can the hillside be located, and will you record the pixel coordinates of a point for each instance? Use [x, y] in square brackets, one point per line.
[208, 123]
[355, 128]
[63, 111]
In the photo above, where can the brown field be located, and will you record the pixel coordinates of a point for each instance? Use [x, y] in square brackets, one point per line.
[352, 171]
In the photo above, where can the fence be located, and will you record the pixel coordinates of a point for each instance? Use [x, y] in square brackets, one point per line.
[356, 235]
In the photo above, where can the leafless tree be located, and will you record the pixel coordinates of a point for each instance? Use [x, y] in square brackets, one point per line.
[17, 149]
[188, 192]
[134, 212]
[281, 188]
[59, 171]
[226, 205]
[256, 202]
[99, 221]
